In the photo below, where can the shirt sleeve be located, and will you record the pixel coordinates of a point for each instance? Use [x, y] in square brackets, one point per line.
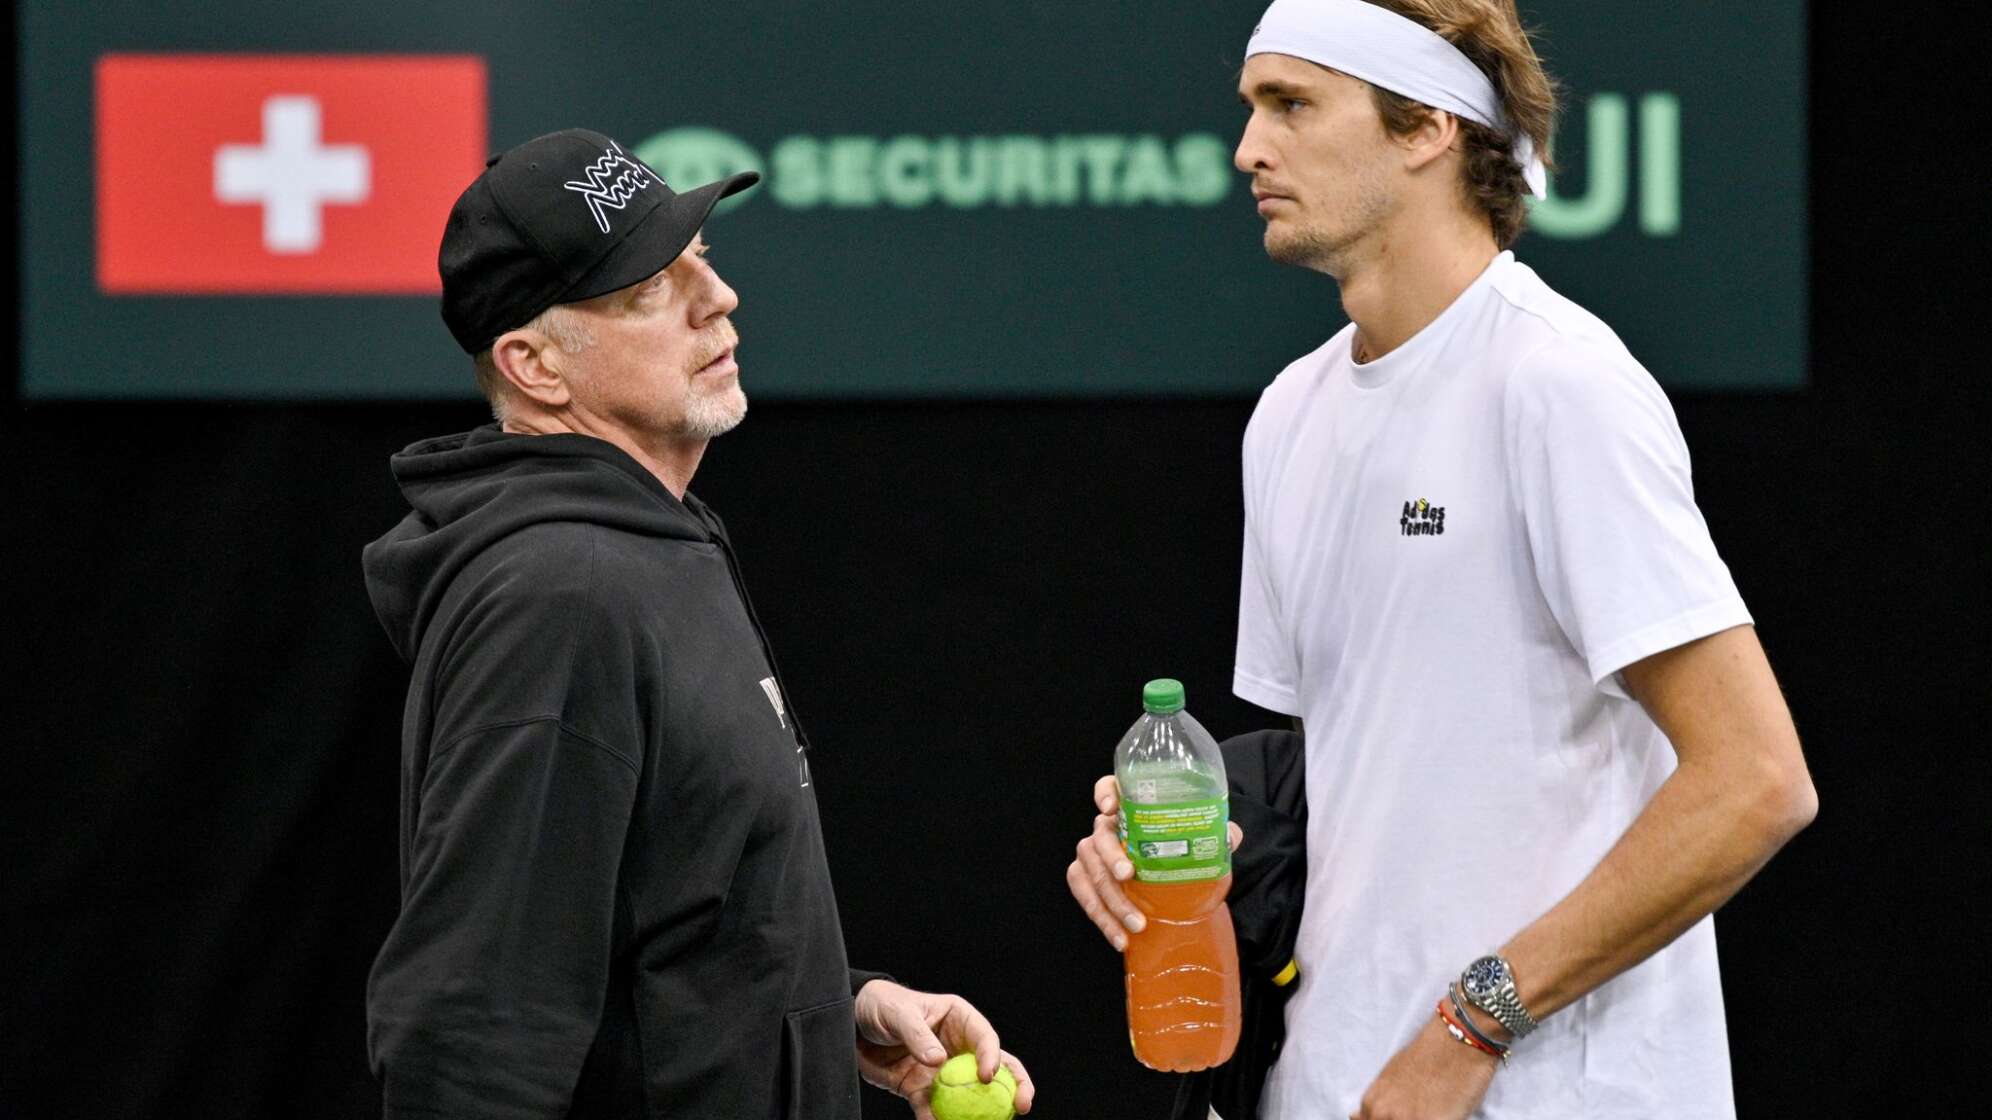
[487, 996]
[862, 976]
[1621, 553]
[1264, 672]
[489, 992]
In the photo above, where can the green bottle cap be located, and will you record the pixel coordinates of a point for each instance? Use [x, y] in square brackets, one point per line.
[1162, 697]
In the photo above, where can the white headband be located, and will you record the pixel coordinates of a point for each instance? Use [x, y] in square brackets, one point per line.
[1388, 51]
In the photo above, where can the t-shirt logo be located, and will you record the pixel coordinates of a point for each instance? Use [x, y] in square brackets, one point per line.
[1422, 519]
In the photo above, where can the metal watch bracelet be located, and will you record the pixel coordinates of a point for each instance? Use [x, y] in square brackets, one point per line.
[1489, 984]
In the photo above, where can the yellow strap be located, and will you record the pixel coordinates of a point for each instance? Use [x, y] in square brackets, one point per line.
[1287, 974]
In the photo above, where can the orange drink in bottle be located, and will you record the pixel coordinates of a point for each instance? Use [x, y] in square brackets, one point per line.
[1183, 1010]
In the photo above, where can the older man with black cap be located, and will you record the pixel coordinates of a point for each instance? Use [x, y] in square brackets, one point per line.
[615, 899]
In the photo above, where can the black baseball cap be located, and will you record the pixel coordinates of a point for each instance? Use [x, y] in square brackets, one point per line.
[561, 218]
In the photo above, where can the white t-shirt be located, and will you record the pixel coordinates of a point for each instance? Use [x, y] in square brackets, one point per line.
[1450, 551]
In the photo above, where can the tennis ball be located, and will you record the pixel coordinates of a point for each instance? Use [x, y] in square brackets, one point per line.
[960, 1095]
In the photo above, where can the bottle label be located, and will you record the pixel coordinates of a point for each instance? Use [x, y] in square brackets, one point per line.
[1182, 842]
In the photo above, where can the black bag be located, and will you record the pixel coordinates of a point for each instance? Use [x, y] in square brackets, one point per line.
[1267, 776]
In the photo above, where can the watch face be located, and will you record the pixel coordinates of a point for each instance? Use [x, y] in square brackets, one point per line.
[1484, 976]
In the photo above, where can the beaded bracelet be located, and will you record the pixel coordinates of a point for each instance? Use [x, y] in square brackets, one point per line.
[1466, 1022]
[1460, 1036]
[1465, 1033]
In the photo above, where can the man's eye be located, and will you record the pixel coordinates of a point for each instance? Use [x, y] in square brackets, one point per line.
[1291, 103]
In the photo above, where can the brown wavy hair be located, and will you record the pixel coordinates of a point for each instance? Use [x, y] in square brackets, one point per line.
[1490, 34]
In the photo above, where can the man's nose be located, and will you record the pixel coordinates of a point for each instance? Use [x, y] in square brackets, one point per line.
[717, 300]
[1251, 154]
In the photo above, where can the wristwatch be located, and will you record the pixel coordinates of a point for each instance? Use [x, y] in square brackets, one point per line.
[1489, 984]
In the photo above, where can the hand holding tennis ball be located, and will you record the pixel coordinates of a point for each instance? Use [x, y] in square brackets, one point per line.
[904, 1039]
[960, 1094]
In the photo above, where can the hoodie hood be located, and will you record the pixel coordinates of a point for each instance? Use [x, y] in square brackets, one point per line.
[473, 489]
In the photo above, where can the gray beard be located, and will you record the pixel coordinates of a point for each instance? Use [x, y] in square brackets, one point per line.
[711, 415]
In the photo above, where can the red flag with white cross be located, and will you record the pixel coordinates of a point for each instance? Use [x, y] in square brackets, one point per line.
[276, 174]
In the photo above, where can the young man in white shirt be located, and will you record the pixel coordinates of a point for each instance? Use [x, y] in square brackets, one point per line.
[1543, 743]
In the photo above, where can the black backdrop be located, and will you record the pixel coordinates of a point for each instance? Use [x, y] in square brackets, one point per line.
[200, 779]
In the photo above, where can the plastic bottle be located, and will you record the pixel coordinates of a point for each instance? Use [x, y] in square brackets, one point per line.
[1183, 1010]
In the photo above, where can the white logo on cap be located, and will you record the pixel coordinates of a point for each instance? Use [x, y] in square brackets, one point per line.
[603, 191]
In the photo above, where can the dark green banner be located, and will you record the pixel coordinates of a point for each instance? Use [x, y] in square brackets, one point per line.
[243, 200]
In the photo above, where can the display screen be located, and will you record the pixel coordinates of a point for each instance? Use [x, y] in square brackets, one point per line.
[243, 201]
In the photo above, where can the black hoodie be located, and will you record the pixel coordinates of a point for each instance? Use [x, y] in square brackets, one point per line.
[614, 896]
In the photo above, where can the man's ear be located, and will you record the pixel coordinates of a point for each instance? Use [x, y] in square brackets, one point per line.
[1435, 135]
[531, 364]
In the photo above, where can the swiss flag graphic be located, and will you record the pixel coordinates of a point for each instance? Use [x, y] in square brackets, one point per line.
[281, 173]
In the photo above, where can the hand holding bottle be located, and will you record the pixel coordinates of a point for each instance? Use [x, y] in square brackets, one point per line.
[1101, 866]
